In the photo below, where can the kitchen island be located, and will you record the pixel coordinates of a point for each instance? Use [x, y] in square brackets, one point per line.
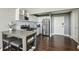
[23, 34]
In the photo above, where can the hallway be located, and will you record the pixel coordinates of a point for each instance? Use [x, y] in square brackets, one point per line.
[56, 43]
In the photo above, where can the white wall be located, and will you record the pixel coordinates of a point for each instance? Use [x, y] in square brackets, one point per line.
[6, 15]
[74, 24]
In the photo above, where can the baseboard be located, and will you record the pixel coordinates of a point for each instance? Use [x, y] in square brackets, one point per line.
[56, 34]
[63, 35]
[71, 37]
[68, 35]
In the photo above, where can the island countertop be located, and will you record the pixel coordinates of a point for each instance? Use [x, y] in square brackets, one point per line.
[19, 33]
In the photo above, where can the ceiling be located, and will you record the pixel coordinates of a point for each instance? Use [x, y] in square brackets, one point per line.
[47, 11]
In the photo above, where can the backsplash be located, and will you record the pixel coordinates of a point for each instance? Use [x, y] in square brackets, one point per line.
[32, 24]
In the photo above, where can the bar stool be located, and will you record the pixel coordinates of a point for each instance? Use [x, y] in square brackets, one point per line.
[17, 43]
[31, 42]
[6, 42]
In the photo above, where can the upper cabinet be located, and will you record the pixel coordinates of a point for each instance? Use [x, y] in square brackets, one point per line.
[21, 14]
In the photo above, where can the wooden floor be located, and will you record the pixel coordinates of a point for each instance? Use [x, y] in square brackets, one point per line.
[56, 43]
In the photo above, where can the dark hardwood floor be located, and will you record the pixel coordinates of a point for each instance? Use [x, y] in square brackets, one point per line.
[56, 43]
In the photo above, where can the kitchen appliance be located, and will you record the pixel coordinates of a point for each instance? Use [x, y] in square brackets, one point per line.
[46, 26]
[27, 27]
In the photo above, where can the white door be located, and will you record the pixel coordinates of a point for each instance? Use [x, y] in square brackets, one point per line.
[59, 25]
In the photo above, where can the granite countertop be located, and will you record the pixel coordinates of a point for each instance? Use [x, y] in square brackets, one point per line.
[19, 33]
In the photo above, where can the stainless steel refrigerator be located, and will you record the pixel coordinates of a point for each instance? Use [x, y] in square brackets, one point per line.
[46, 27]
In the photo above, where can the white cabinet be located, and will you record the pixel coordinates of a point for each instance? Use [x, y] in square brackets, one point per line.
[20, 14]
